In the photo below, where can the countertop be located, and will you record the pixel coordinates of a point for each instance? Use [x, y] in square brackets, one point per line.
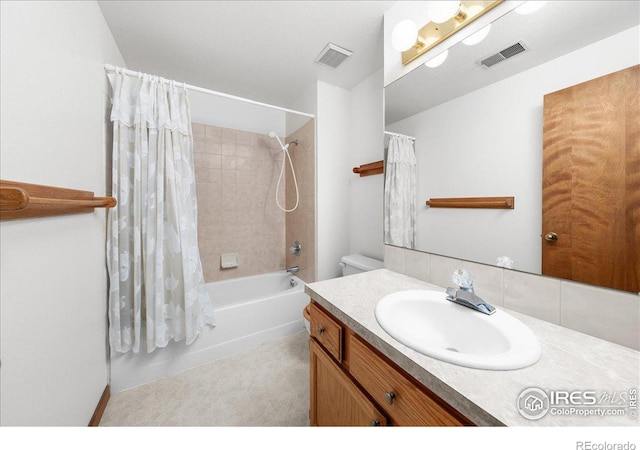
[570, 361]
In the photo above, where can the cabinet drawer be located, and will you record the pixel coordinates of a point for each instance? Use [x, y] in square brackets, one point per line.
[397, 395]
[327, 332]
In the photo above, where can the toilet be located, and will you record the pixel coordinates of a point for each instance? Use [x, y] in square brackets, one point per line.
[350, 264]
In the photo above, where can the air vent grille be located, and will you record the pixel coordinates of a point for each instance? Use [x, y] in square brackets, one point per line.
[333, 55]
[503, 55]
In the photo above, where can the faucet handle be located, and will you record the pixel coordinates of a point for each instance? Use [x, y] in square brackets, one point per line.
[463, 279]
[295, 249]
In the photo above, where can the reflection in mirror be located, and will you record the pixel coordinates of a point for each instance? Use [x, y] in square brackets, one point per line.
[399, 192]
[479, 133]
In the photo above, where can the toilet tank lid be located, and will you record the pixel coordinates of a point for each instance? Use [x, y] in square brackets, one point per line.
[363, 262]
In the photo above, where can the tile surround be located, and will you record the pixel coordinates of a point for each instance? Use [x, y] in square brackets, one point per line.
[604, 313]
[236, 202]
[442, 268]
[236, 176]
[394, 258]
[534, 296]
[615, 320]
[417, 265]
[300, 224]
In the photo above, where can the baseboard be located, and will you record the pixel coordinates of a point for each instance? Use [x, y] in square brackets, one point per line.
[102, 405]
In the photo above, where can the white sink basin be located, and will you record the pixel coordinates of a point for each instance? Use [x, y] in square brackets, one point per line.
[430, 324]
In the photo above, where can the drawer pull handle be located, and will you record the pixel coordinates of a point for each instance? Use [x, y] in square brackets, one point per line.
[320, 330]
[374, 423]
[389, 397]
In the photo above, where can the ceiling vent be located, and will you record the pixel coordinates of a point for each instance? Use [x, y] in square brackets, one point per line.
[332, 55]
[503, 55]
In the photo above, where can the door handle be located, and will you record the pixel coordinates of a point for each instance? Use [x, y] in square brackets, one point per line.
[551, 237]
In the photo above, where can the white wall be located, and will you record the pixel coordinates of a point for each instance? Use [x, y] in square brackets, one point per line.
[501, 124]
[366, 194]
[53, 292]
[349, 127]
[223, 112]
[308, 103]
[333, 175]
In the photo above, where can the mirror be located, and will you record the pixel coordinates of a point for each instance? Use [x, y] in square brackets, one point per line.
[479, 130]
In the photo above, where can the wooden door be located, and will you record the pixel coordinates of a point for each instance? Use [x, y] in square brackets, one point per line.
[591, 182]
[335, 399]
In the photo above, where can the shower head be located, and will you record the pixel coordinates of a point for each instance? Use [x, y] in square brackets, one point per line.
[273, 135]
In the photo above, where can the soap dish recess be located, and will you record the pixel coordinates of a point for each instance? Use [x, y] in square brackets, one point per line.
[229, 260]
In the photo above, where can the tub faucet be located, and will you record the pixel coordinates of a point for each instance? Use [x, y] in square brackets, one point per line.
[294, 269]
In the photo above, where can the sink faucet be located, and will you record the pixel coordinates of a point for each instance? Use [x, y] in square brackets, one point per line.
[465, 296]
[470, 300]
[294, 269]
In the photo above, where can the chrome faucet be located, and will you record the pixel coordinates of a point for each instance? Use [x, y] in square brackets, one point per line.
[465, 296]
[294, 269]
[470, 300]
[296, 249]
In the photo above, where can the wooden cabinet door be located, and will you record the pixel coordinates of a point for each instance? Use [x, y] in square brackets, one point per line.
[335, 400]
[591, 182]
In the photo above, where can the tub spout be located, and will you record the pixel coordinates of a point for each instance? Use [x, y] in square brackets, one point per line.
[294, 269]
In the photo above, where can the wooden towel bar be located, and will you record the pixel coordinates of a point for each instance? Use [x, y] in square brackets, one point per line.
[473, 202]
[24, 200]
[373, 168]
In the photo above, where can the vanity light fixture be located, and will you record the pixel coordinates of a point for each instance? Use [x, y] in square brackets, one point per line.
[404, 35]
[445, 19]
[437, 60]
[441, 11]
[530, 7]
[479, 35]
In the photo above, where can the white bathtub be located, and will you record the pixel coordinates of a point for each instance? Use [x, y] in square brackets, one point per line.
[248, 311]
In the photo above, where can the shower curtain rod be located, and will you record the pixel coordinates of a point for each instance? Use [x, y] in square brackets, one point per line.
[111, 68]
[398, 134]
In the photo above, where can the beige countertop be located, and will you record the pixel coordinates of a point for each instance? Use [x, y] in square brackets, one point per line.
[570, 361]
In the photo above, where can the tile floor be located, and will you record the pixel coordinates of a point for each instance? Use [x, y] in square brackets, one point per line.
[264, 386]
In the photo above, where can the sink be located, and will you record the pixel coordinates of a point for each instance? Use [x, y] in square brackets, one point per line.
[427, 322]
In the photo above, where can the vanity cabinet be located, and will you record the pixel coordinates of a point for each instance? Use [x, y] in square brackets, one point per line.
[353, 384]
[335, 399]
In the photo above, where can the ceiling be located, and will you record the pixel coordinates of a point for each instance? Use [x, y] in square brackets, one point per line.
[558, 28]
[262, 50]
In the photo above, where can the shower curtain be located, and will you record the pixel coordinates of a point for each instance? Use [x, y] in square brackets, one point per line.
[400, 193]
[156, 291]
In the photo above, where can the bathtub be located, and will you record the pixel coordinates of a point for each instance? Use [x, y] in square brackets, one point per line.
[248, 311]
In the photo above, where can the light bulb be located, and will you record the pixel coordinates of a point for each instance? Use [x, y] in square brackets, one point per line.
[530, 7]
[438, 60]
[404, 35]
[441, 11]
[478, 36]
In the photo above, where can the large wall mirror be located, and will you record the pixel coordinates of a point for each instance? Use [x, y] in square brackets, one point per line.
[562, 107]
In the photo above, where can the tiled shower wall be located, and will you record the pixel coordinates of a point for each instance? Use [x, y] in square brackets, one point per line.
[236, 175]
[301, 223]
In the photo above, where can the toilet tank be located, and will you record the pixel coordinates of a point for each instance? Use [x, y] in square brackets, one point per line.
[358, 263]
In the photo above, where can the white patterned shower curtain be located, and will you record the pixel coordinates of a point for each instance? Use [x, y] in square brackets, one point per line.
[157, 291]
[400, 193]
